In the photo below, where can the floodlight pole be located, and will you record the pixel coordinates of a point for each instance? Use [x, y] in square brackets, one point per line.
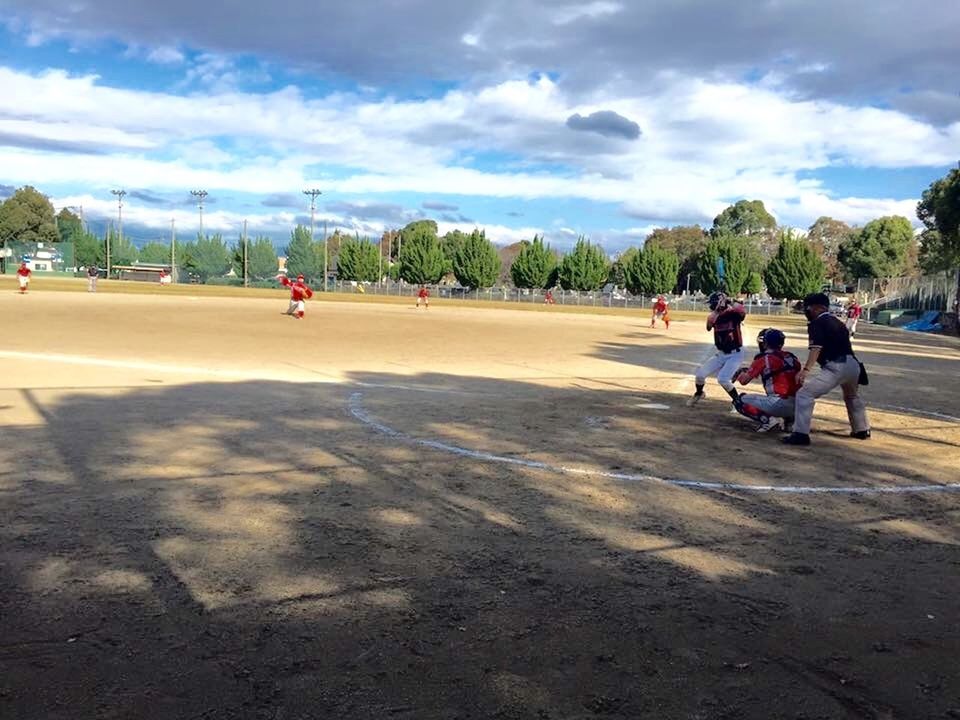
[119, 193]
[173, 250]
[200, 195]
[313, 194]
[245, 254]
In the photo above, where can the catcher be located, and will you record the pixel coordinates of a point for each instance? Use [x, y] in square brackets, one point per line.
[661, 311]
[725, 320]
[777, 370]
[300, 292]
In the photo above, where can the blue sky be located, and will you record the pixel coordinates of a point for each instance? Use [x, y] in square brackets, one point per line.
[600, 118]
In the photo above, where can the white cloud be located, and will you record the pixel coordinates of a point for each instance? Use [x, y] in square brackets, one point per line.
[590, 10]
[704, 143]
[165, 55]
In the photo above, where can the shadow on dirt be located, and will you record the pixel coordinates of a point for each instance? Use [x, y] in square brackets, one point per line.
[252, 550]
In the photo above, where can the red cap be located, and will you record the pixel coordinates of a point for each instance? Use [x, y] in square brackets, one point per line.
[299, 277]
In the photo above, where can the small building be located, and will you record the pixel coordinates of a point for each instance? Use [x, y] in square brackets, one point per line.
[142, 272]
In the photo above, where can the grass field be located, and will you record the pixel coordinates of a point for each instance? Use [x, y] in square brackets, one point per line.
[211, 510]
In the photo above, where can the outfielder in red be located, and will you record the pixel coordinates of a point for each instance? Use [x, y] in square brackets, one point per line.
[300, 292]
[23, 277]
[424, 295]
[661, 311]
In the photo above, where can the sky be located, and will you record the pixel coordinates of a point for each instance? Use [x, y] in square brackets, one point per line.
[604, 118]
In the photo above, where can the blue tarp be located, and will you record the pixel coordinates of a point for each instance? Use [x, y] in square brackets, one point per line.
[926, 323]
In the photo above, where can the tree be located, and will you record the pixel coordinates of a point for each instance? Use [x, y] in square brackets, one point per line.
[796, 270]
[475, 262]
[261, 259]
[827, 235]
[88, 250]
[583, 269]
[687, 241]
[736, 265]
[122, 250]
[302, 255]
[745, 217]
[617, 275]
[450, 244]
[27, 216]
[207, 257]
[422, 261]
[652, 270]
[939, 211]
[155, 253]
[535, 265]
[69, 225]
[359, 260]
[754, 283]
[880, 249]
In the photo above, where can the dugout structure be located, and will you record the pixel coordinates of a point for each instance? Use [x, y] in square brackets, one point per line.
[142, 272]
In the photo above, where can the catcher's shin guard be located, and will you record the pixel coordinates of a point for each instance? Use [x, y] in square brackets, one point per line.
[752, 412]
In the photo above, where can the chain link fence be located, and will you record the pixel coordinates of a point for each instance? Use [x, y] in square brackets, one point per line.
[560, 297]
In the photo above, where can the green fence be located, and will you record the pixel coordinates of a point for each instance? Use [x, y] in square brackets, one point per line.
[41, 257]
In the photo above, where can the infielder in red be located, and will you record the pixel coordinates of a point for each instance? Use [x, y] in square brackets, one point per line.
[424, 295]
[661, 311]
[300, 292]
[854, 312]
[23, 277]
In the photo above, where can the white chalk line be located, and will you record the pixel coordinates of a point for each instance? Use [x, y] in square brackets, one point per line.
[357, 410]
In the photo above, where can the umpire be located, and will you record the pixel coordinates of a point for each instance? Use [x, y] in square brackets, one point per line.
[830, 348]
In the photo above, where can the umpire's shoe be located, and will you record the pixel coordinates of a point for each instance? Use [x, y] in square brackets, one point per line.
[861, 434]
[796, 439]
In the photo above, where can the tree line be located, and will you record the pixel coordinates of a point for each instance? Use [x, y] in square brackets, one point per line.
[756, 253]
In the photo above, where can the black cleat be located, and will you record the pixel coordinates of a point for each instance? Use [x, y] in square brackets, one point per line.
[796, 439]
[861, 434]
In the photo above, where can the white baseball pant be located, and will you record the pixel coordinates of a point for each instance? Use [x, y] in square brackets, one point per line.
[723, 365]
[845, 375]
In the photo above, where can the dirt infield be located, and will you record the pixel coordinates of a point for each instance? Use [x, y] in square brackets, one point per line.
[212, 510]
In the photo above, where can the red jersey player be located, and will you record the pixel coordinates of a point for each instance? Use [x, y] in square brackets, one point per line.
[424, 295]
[777, 370]
[23, 277]
[300, 292]
[661, 311]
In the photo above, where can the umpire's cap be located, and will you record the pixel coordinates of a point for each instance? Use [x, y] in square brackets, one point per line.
[816, 299]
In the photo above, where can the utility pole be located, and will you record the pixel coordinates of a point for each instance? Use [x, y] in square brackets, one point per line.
[324, 255]
[313, 193]
[173, 249]
[200, 195]
[119, 194]
[380, 263]
[245, 273]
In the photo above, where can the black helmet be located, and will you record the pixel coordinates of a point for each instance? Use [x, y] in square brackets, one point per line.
[774, 338]
[715, 300]
[762, 339]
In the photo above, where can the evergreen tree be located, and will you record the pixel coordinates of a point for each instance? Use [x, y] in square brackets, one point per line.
[302, 255]
[88, 250]
[359, 260]
[122, 250]
[939, 211]
[535, 266]
[208, 257]
[450, 243]
[736, 265]
[796, 270]
[652, 270]
[585, 268]
[69, 225]
[261, 259]
[754, 283]
[617, 275]
[155, 253]
[475, 262]
[422, 261]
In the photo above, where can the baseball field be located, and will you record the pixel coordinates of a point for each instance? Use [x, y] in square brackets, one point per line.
[209, 509]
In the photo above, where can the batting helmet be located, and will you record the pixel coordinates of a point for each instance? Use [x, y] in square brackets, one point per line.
[774, 338]
[715, 300]
[762, 339]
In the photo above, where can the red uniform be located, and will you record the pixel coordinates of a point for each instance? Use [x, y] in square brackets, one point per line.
[23, 276]
[424, 295]
[299, 293]
[778, 371]
[661, 309]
